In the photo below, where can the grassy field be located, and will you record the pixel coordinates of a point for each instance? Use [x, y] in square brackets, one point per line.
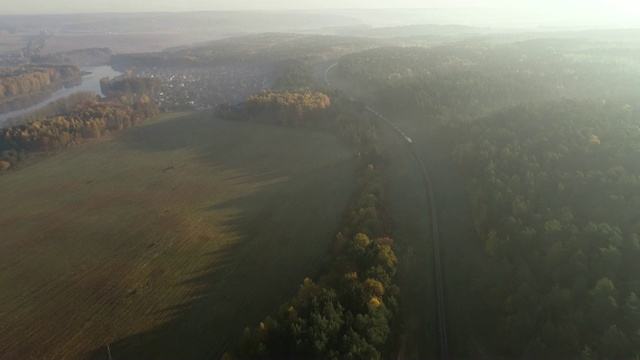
[164, 240]
[10, 43]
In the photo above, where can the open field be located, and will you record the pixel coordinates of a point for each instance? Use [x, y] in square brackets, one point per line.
[164, 240]
[10, 43]
[122, 43]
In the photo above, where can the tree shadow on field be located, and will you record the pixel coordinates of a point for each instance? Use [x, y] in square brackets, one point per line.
[282, 229]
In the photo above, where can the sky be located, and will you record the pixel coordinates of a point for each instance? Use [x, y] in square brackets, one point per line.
[623, 10]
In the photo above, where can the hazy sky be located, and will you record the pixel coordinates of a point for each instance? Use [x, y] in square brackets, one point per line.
[628, 9]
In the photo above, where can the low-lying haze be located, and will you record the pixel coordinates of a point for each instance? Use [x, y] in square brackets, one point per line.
[594, 13]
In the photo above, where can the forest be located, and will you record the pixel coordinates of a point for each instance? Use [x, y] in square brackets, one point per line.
[555, 189]
[546, 134]
[467, 80]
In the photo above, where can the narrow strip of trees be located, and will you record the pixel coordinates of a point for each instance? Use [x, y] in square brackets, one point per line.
[31, 79]
[59, 107]
[350, 310]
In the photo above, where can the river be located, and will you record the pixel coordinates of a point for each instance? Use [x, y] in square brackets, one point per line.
[90, 82]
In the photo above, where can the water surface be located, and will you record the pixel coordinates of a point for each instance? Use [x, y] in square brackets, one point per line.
[90, 82]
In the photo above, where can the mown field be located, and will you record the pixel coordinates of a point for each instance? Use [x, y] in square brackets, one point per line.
[165, 240]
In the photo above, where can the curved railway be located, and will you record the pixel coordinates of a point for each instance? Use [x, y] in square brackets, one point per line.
[439, 277]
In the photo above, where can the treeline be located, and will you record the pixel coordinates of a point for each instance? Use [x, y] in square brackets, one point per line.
[307, 108]
[58, 107]
[290, 108]
[350, 311]
[32, 99]
[295, 101]
[88, 120]
[31, 79]
[555, 193]
[347, 314]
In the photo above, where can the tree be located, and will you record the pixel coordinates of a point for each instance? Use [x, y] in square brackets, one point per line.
[614, 344]
[374, 287]
[361, 240]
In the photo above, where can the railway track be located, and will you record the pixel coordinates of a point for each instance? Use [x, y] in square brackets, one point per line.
[439, 277]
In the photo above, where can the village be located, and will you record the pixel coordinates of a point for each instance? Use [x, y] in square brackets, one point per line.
[203, 88]
[11, 60]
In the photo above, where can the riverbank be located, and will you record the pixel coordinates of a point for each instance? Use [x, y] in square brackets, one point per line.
[88, 81]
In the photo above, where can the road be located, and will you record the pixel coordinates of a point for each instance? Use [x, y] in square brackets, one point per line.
[438, 273]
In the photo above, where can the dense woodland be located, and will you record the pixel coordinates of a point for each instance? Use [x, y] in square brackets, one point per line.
[72, 122]
[555, 192]
[350, 311]
[554, 184]
[467, 80]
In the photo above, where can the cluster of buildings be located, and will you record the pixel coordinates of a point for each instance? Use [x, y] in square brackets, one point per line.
[11, 60]
[206, 87]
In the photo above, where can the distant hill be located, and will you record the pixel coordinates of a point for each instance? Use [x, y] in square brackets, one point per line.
[81, 57]
[416, 30]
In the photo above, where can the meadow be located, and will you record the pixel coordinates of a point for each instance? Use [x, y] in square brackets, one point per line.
[11, 43]
[164, 240]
